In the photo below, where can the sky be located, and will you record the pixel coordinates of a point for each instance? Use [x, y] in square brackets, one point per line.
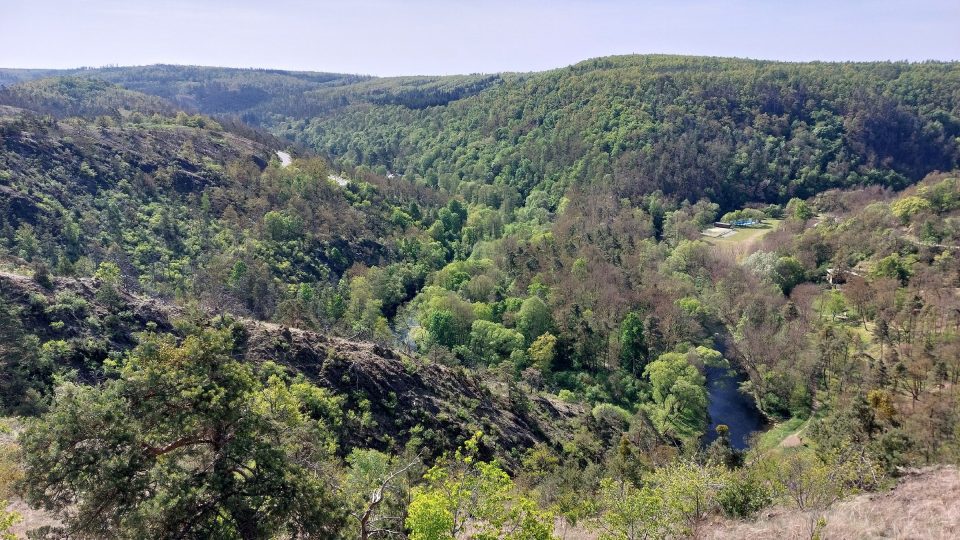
[436, 37]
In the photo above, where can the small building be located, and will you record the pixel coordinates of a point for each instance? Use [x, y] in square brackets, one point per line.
[722, 225]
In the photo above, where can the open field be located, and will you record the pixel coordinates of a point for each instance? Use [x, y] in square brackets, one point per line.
[741, 234]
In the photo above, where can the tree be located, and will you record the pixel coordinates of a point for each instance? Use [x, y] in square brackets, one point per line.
[108, 275]
[909, 206]
[799, 209]
[813, 484]
[492, 342]
[679, 395]
[377, 488]
[787, 273]
[630, 513]
[534, 318]
[690, 491]
[543, 352]
[633, 345]
[462, 491]
[186, 441]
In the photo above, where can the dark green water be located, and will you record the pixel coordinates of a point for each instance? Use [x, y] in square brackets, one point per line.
[728, 405]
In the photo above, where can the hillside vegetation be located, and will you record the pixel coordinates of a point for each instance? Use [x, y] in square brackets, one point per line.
[476, 306]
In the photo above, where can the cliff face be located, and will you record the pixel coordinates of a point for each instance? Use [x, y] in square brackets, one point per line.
[401, 397]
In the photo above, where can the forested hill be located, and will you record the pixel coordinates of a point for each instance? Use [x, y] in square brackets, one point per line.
[728, 129]
[199, 340]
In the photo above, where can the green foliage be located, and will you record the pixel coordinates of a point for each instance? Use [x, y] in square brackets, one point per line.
[281, 227]
[799, 209]
[492, 342]
[186, 441]
[675, 502]
[27, 372]
[745, 493]
[534, 319]
[461, 492]
[893, 266]
[633, 346]
[907, 207]
[543, 352]
[629, 513]
[690, 491]
[8, 519]
[679, 395]
[377, 489]
[788, 272]
[108, 274]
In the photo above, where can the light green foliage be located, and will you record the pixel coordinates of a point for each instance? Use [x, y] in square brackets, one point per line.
[26, 240]
[909, 206]
[679, 395]
[185, 440]
[813, 484]
[710, 357]
[108, 274]
[631, 513]
[456, 316]
[492, 342]
[8, 519]
[799, 209]
[364, 310]
[689, 257]
[674, 502]
[746, 492]
[761, 263]
[893, 266]
[745, 213]
[944, 196]
[691, 306]
[376, 489]
[690, 491]
[613, 415]
[462, 492]
[543, 352]
[534, 318]
[281, 226]
[440, 324]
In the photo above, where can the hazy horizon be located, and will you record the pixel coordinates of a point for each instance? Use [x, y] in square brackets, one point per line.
[378, 37]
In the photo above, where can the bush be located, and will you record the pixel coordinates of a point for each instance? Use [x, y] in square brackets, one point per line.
[41, 275]
[611, 414]
[743, 495]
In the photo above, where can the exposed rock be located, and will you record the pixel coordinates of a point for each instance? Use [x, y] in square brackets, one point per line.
[403, 396]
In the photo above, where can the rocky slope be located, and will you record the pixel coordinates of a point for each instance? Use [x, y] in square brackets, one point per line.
[403, 396]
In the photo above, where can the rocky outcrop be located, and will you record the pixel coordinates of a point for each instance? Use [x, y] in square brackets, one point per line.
[396, 397]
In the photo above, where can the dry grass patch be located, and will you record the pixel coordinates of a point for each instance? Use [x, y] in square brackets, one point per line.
[924, 504]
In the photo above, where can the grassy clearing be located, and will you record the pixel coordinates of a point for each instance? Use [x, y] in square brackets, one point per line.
[772, 438]
[746, 234]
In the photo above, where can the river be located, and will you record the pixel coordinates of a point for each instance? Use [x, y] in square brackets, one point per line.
[728, 405]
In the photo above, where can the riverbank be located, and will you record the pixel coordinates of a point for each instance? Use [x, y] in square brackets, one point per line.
[728, 405]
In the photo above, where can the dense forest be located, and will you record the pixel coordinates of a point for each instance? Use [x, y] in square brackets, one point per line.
[484, 306]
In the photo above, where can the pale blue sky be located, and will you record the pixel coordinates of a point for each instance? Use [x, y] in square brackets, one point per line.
[383, 37]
